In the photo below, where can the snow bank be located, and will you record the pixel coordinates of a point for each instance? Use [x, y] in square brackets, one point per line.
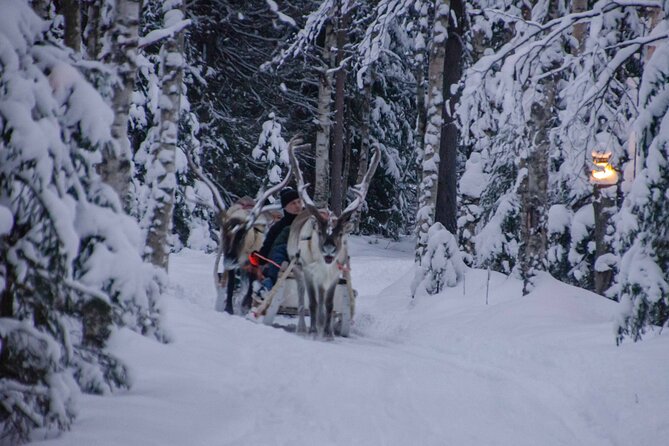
[442, 369]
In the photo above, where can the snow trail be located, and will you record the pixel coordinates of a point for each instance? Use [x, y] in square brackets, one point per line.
[442, 370]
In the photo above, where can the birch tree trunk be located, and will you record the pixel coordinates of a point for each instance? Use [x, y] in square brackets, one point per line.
[162, 176]
[338, 137]
[116, 166]
[533, 191]
[533, 188]
[435, 105]
[447, 207]
[322, 153]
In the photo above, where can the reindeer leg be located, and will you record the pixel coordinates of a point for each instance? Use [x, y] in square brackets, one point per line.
[320, 323]
[313, 313]
[231, 292]
[247, 283]
[301, 325]
[329, 305]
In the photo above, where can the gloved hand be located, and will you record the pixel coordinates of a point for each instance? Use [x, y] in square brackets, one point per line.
[255, 259]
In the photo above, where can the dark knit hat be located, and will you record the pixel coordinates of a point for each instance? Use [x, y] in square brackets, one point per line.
[287, 195]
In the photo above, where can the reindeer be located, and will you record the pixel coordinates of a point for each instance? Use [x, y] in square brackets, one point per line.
[317, 242]
[242, 231]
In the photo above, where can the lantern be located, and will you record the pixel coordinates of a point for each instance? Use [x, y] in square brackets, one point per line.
[603, 174]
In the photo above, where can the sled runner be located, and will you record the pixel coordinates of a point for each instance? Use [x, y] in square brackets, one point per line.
[282, 299]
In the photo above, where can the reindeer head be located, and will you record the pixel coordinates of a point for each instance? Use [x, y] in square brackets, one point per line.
[243, 224]
[238, 240]
[330, 231]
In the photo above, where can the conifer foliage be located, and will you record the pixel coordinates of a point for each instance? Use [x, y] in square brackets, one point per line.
[643, 282]
[71, 270]
[441, 264]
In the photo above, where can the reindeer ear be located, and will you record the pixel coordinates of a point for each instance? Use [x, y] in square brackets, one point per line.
[348, 227]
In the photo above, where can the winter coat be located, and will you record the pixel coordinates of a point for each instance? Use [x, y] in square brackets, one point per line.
[275, 231]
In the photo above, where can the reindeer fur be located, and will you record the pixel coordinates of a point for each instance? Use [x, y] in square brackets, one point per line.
[318, 240]
[314, 275]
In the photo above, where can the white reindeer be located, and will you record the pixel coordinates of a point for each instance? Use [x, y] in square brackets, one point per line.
[317, 242]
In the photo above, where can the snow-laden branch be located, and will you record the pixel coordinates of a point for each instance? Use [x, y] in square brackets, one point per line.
[85, 289]
[377, 34]
[629, 48]
[218, 199]
[307, 35]
[283, 17]
[159, 34]
[557, 26]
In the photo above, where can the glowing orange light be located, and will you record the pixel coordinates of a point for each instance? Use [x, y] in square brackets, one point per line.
[604, 173]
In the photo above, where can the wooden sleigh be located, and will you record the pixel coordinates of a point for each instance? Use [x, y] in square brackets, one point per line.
[282, 299]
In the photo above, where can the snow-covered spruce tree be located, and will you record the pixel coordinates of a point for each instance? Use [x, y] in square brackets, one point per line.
[194, 216]
[489, 216]
[642, 283]
[581, 254]
[472, 183]
[70, 271]
[497, 238]
[441, 264]
[272, 149]
[559, 240]
[596, 106]
[234, 93]
[392, 193]
[377, 110]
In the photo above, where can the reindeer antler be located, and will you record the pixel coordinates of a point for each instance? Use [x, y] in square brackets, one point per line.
[257, 209]
[361, 189]
[296, 143]
[218, 200]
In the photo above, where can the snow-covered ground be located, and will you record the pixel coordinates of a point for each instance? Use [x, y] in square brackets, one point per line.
[442, 370]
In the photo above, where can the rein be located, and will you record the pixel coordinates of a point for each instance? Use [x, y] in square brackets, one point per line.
[266, 260]
[343, 267]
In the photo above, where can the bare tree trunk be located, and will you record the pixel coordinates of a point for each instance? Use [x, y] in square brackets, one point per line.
[604, 208]
[447, 206]
[93, 31]
[338, 137]
[421, 82]
[346, 172]
[428, 186]
[162, 174]
[70, 11]
[322, 155]
[363, 158]
[116, 167]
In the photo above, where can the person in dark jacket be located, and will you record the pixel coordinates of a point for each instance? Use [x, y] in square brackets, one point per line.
[275, 244]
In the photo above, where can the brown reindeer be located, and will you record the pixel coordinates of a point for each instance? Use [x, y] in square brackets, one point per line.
[318, 243]
[243, 228]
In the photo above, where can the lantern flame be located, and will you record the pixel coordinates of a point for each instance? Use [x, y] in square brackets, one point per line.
[604, 173]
